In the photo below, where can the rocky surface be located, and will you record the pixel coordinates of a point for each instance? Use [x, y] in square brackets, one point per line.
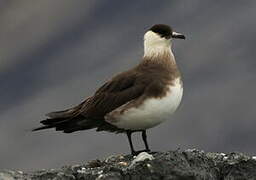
[171, 165]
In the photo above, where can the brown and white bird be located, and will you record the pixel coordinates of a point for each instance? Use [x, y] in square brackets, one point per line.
[134, 100]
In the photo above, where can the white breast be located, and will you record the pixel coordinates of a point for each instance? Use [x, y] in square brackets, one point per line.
[152, 111]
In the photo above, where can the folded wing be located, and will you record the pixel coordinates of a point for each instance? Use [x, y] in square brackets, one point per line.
[90, 113]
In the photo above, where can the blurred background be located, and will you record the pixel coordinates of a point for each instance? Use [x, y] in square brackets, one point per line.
[53, 54]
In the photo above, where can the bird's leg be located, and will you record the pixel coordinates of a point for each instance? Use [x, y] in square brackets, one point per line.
[144, 137]
[129, 135]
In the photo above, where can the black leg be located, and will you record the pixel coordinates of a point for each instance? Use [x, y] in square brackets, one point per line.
[144, 137]
[129, 135]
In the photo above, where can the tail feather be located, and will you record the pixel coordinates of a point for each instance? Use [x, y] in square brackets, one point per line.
[63, 114]
[71, 120]
[52, 121]
[61, 120]
[68, 113]
[68, 125]
[41, 128]
[49, 123]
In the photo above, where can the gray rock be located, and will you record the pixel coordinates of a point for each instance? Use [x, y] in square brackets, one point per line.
[171, 165]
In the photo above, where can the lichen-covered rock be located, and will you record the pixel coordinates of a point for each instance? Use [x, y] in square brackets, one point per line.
[11, 175]
[171, 165]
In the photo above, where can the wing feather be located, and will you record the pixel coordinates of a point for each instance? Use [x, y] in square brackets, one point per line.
[90, 113]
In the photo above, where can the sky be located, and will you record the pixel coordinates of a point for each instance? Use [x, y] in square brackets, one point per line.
[54, 54]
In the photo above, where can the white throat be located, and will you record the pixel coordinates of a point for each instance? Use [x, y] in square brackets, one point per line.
[154, 45]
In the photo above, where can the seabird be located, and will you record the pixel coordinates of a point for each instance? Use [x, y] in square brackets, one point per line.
[134, 100]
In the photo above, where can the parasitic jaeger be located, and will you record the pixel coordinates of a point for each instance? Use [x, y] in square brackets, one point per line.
[134, 100]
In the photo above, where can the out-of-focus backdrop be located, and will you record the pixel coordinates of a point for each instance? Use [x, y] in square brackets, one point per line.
[55, 53]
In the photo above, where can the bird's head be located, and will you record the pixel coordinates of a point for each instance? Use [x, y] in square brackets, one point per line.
[159, 37]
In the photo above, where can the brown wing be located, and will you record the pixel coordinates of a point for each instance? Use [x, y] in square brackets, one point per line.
[111, 95]
[90, 113]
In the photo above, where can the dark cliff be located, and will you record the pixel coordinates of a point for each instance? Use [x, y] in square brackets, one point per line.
[171, 165]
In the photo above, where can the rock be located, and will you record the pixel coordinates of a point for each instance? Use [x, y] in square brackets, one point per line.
[171, 165]
[141, 157]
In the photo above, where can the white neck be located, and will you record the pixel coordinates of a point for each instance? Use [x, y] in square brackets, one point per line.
[155, 46]
[151, 50]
